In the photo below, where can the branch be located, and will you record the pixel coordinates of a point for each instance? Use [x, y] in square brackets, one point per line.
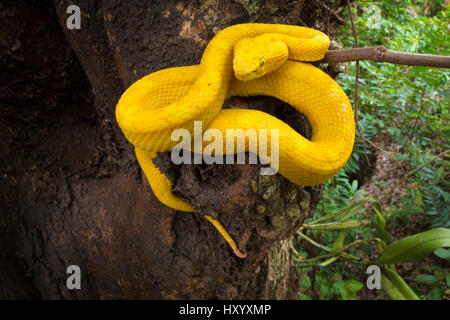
[355, 36]
[388, 192]
[339, 18]
[384, 151]
[410, 135]
[382, 54]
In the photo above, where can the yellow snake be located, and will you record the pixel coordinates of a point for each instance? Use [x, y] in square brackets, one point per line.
[265, 57]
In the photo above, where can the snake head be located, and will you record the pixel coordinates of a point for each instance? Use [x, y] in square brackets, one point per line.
[255, 57]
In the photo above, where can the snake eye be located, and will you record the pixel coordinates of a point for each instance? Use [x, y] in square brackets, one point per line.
[262, 62]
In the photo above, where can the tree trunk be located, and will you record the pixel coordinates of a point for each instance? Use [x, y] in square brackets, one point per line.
[71, 191]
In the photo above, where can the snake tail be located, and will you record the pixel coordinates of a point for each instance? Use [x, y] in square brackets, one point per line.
[227, 237]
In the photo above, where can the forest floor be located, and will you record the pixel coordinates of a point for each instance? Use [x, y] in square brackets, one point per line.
[386, 170]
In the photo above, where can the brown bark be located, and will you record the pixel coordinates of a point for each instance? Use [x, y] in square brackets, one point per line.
[71, 191]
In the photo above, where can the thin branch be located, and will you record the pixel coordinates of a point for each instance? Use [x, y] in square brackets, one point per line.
[411, 133]
[443, 153]
[331, 11]
[388, 191]
[325, 248]
[382, 54]
[355, 36]
[341, 251]
[386, 152]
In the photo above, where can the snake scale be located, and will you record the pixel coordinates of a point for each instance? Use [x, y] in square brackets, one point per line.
[244, 60]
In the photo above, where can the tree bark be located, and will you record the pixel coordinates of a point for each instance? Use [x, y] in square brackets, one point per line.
[71, 191]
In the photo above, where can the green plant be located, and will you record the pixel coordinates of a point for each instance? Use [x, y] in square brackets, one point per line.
[409, 249]
[409, 104]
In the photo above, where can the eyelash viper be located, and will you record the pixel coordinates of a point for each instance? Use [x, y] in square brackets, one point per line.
[151, 108]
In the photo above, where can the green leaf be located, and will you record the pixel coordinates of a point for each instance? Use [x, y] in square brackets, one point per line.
[436, 293]
[415, 248]
[394, 285]
[306, 282]
[324, 290]
[391, 289]
[337, 285]
[381, 220]
[353, 285]
[304, 297]
[380, 223]
[338, 225]
[324, 284]
[431, 268]
[443, 253]
[345, 212]
[355, 185]
[338, 244]
[382, 233]
[425, 278]
[350, 288]
[447, 279]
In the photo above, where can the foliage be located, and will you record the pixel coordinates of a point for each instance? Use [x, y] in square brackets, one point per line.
[409, 249]
[411, 105]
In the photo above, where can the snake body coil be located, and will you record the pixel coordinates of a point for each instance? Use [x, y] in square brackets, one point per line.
[174, 98]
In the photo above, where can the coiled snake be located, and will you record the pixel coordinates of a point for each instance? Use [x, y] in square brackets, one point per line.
[265, 57]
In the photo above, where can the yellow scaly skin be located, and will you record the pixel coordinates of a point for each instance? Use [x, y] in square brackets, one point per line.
[174, 98]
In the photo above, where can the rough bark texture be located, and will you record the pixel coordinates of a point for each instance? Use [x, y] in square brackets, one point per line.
[71, 191]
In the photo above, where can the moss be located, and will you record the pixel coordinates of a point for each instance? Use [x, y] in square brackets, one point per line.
[293, 212]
